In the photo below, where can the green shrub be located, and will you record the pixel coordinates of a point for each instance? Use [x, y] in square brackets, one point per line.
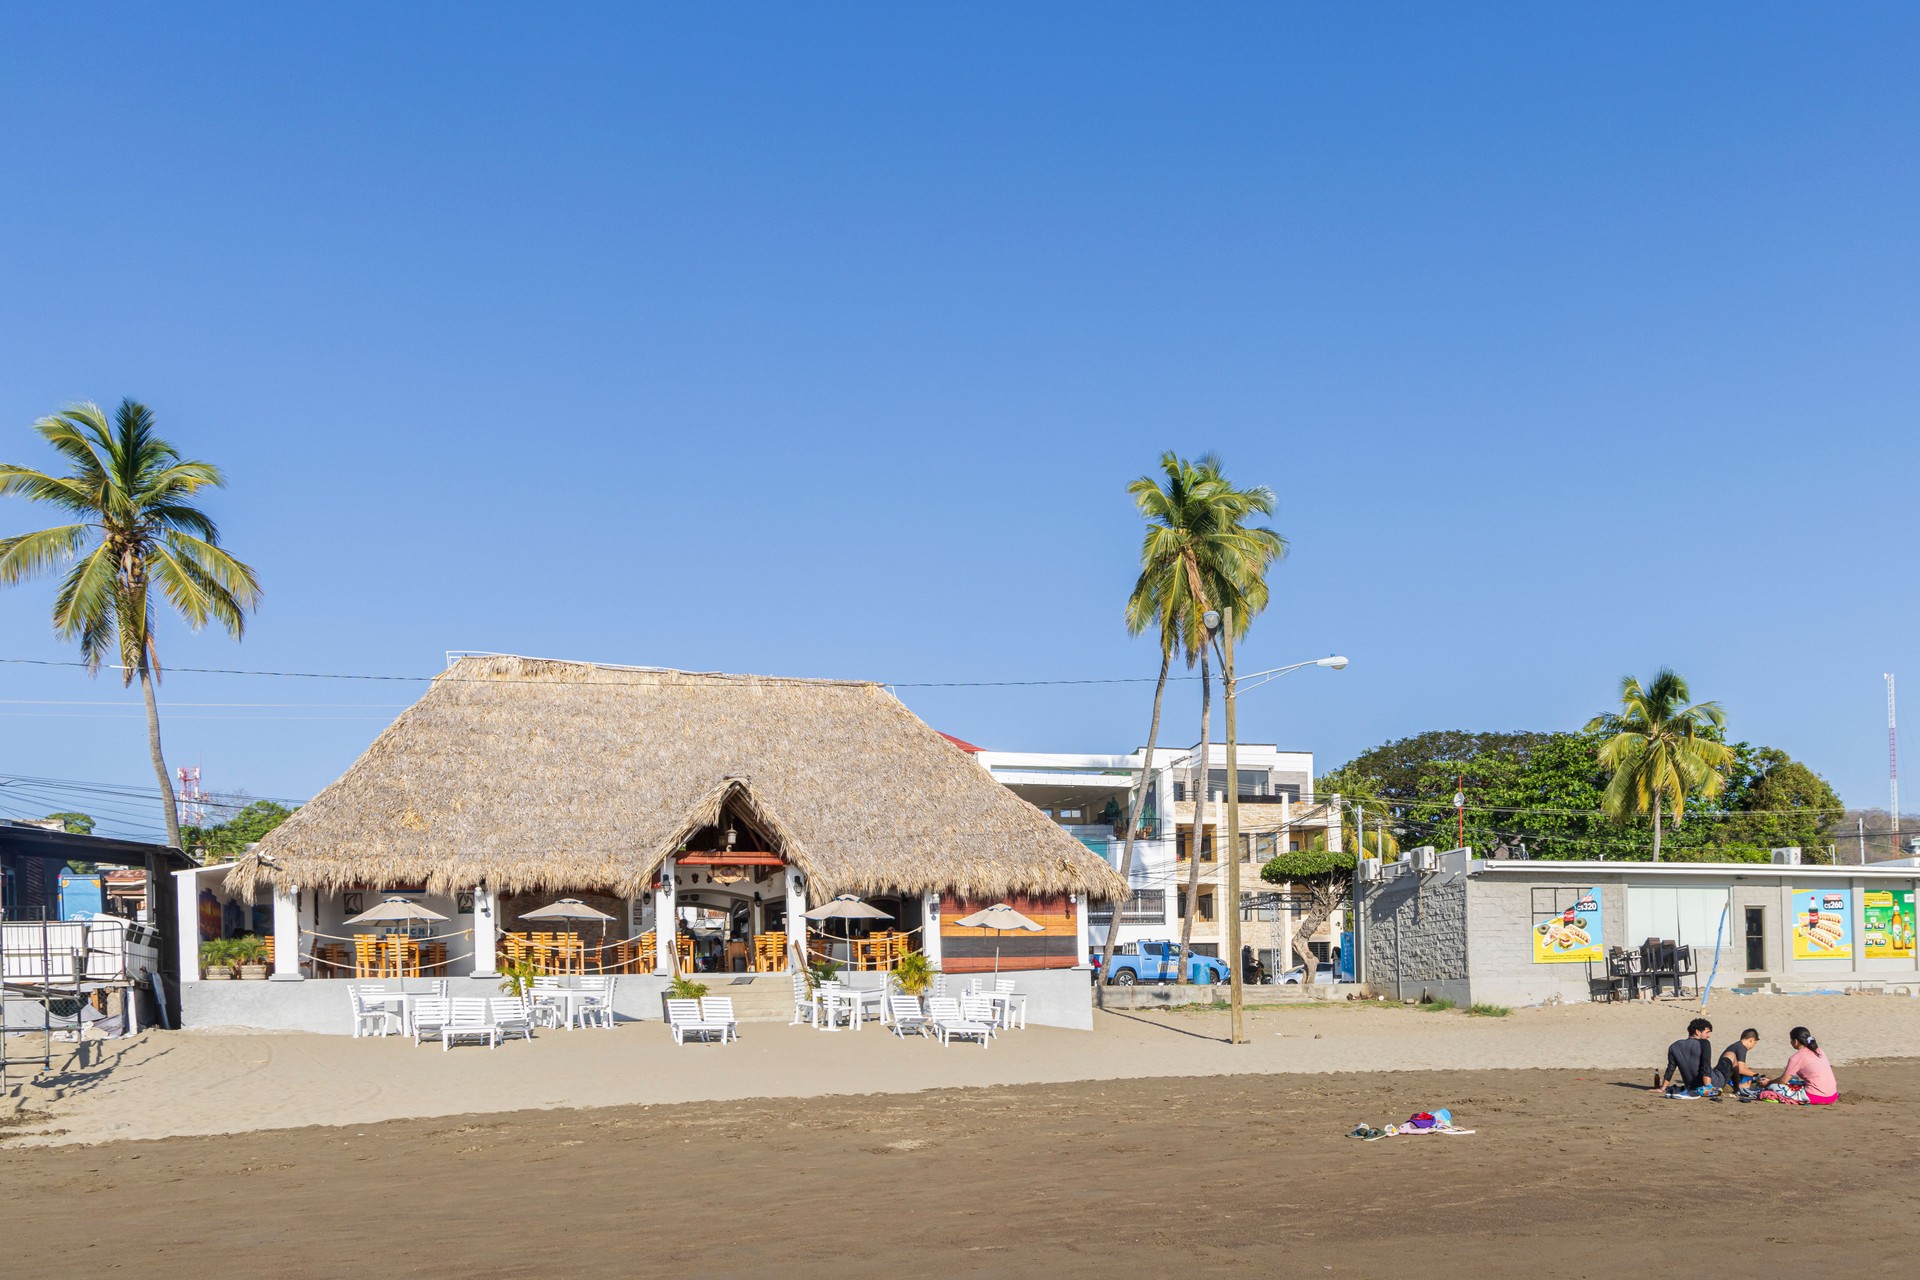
[914, 973]
[1437, 1004]
[1478, 1010]
[685, 988]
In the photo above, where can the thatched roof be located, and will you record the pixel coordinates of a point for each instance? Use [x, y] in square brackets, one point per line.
[534, 776]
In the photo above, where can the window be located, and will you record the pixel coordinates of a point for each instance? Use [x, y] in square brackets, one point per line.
[1688, 916]
[1258, 846]
[1186, 846]
[1146, 906]
[1206, 905]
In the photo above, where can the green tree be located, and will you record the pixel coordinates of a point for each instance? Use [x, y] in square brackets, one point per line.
[221, 841]
[1326, 878]
[1660, 750]
[1199, 553]
[74, 824]
[139, 526]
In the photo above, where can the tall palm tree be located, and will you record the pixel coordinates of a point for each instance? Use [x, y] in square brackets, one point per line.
[1198, 553]
[138, 526]
[1662, 750]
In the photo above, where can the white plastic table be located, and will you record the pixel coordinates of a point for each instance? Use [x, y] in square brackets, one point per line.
[570, 998]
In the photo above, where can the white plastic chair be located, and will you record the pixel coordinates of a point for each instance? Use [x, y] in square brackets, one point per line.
[469, 1021]
[510, 1017]
[805, 1008]
[907, 1017]
[597, 1009]
[371, 1019]
[430, 1014]
[1013, 1002]
[944, 1013]
[718, 1011]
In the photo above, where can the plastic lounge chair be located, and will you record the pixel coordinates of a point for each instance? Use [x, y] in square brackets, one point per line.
[683, 1020]
[1014, 1001]
[944, 1013]
[430, 1013]
[469, 1021]
[717, 1011]
[509, 1017]
[907, 1017]
[981, 1008]
[597, 1009]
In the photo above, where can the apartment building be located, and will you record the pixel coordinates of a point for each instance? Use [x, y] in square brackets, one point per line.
[1090, 795]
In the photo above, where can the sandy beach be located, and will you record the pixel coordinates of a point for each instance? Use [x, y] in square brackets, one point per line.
[196, 1083]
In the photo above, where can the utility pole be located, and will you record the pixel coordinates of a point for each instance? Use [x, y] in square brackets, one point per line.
[1235, 978]
[1893, 767]
[1862, 823]
[1460, 809]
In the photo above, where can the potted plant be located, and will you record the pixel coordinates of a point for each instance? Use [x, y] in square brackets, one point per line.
[516, 977]
[681, 988]
[216, 959]
[251, 952]
[914, 974]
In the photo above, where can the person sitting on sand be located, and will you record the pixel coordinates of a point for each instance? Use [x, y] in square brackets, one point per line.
[1808, 1070]
[1691, 1059]
[1732, 1070]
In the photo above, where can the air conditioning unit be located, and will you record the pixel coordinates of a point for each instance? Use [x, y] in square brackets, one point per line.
[1788, 857]
[1425, 859]
[1370, 871]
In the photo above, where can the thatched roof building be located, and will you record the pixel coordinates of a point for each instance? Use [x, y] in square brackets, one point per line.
[531, 775]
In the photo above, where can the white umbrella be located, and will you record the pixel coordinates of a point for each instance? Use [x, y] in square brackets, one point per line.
[565, 909]
[394, 910]
[999, 917]
[849, 908]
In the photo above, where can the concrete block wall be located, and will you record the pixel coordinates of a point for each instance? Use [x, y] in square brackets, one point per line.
[1417, 931]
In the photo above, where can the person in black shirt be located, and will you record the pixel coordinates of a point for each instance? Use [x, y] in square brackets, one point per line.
[1691, 1059]
[1732, 1070]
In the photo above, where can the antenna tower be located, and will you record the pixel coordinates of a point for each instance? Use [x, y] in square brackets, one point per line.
[193, 801]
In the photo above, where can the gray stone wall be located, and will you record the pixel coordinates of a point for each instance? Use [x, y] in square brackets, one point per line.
[1417, 933]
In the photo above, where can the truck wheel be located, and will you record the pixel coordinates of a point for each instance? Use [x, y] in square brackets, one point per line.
[1121, 978]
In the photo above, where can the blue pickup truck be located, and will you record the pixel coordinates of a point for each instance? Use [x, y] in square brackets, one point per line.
[1159, 962]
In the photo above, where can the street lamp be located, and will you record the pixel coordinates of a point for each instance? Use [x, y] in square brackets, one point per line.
[1223, 636]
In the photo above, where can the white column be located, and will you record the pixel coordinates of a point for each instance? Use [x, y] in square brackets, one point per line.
[666, 922]
[486, 933]
[286, 935]
[930, 930]
[1335, 836]
[186, 923]
[1081, 955]
[796, 916]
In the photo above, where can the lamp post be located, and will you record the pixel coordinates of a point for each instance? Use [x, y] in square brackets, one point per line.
[1236, 980]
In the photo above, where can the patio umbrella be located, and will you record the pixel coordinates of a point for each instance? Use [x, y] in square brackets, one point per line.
[394, 911]
[999, 917]
[849, 908]
[570, 910]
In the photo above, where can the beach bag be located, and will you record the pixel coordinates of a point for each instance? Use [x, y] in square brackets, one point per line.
[1421, 1120]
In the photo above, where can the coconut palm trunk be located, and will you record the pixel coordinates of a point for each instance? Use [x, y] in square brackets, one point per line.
[1199, 823]
[1134, 808]
[1659, 802]
[167, 800]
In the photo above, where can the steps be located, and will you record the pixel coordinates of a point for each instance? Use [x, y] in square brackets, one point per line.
[757, 997]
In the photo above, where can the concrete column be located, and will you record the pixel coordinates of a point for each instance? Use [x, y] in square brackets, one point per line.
[486, 936]
[796, 916]
[1335, 836]
[286, 935]
[666, 922]
[1082, 946]
[186, 923]
[930, 930]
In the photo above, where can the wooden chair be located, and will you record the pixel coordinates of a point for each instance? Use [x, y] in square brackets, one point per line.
[366, 955]
[685, 952]
[649, 952]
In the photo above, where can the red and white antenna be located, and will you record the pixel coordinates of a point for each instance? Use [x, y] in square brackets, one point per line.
[193, 801]
[1893, 767]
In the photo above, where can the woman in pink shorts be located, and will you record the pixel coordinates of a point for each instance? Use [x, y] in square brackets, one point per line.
[1810, 1065]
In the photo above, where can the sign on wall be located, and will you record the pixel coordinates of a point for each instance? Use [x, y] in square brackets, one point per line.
[1823, 924]
[1573, 935]
[1889, 919]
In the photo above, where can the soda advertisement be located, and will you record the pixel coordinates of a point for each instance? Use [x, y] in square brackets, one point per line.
[1823, 924]
[1573, 936]
[1889, 914]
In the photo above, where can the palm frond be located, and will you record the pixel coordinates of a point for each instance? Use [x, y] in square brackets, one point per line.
[28, 555]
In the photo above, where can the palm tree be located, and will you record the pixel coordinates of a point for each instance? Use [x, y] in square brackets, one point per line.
[138, 526]
[1198, 554]
[1662, 750]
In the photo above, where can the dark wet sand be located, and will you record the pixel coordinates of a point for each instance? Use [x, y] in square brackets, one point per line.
[1570, 1174]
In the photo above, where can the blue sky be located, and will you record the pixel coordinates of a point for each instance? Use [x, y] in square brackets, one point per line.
[823, 341]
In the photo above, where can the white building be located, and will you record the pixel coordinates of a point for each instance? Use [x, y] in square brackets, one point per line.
[1089, 795]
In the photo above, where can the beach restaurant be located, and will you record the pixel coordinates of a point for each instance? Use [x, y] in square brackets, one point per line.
[563, 817]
